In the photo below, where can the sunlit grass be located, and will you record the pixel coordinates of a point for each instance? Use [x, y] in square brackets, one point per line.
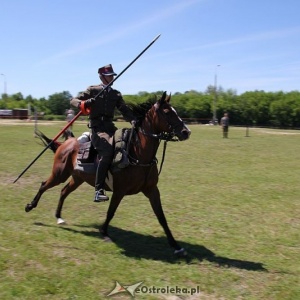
[232, 203]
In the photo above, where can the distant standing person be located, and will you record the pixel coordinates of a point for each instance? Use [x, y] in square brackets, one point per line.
[225, 125]
[70, 115]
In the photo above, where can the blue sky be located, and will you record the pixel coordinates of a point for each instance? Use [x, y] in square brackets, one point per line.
[51, 46]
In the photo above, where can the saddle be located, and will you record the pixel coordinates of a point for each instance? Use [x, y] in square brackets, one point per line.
[120, 160]
[87, 153]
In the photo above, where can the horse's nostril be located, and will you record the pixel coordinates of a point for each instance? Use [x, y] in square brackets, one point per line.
[185, 134]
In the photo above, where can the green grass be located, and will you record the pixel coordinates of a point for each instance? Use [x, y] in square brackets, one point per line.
[233, 204]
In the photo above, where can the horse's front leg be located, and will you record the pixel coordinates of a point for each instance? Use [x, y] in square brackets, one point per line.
[154, 196]
[113, 205]
[72, 185]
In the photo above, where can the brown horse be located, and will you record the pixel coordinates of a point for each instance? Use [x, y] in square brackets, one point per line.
[157, 120]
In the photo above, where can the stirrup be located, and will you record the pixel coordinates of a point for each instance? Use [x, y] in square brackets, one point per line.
[100, 196]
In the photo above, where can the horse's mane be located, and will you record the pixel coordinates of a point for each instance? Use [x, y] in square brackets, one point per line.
[140, 109]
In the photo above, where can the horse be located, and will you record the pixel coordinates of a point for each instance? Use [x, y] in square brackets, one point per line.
[157, 120]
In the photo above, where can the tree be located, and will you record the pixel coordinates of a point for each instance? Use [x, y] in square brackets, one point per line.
[59, 102]
[17, 97]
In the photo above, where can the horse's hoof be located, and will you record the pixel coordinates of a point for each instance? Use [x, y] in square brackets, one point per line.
[28, 207]
[180, 253]
[105, 236]
[60, 221]
[106, 239]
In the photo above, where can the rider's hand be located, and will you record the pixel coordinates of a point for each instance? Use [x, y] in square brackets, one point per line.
[85, 110]
[88, 102]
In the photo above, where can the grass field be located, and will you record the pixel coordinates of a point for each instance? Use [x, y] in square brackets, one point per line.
[233, 204]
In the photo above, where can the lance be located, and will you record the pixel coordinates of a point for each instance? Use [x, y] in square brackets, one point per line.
[79, 113]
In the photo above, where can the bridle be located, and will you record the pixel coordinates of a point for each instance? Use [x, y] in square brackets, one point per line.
[165, 136]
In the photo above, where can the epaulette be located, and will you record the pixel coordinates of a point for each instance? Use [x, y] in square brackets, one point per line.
[97, 86]
[118, 93]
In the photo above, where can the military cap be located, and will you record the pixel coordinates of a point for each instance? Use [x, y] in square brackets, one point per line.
[106, 70]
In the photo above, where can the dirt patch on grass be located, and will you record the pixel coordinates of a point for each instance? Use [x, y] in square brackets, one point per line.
[27, 122]
[276, 131]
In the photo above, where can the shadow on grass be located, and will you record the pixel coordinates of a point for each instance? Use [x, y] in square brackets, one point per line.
[140, 246]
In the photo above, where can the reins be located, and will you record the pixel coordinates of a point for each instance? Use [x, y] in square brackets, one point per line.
[166, 137]
[163, 157]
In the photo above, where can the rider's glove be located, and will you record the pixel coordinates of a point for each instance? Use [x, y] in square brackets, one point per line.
[88, 102]
[83, 108]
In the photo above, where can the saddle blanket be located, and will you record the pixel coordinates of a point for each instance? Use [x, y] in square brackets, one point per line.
[91, 168]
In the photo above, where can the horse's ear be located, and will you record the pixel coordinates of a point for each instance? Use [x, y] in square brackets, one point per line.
[163, 98]
[161, 101]
[168, 98]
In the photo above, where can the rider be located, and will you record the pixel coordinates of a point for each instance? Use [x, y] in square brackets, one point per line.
[101, 113]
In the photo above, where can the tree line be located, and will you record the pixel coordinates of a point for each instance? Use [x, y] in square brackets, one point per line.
[253, 108]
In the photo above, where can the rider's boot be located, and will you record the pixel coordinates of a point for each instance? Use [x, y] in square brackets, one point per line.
[100, 194]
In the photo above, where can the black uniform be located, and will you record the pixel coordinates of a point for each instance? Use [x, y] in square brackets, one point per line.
[101, 123]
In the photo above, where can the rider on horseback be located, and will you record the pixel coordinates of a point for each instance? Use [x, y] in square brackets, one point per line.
[101, 113]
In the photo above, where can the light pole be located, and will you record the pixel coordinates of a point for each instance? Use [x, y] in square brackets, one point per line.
[5, 85]
[215, 97]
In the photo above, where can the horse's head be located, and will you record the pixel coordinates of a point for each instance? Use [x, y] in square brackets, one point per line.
[166, 119]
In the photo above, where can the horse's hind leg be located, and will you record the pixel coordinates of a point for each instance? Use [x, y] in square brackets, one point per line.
[72, 185]
[46, 185]
[154, 197]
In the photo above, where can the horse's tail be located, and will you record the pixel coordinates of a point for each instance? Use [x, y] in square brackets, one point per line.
[46, 141]
[68, 134]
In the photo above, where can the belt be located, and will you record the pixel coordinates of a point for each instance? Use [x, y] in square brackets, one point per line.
[104, 118]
